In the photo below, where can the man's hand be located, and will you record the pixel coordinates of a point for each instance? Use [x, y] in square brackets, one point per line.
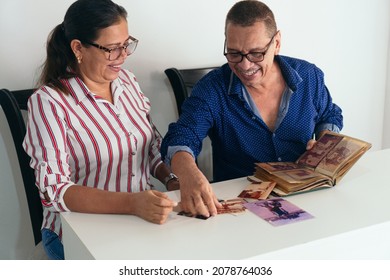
[310, 144]
[197, 196]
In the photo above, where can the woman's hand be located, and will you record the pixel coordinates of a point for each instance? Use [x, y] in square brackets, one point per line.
[153, 206]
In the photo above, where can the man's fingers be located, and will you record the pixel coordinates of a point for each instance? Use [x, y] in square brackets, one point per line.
[188, 205]
[209, 202]
[310, 144]
[202, 207]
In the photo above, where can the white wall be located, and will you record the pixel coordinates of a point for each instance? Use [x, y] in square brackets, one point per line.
[386, 123]
[349, 40]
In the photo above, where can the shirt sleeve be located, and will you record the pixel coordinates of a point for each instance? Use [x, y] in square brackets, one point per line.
[327, 126]
[172, 150]
[46, 145]
[194, 123]
[329, 114]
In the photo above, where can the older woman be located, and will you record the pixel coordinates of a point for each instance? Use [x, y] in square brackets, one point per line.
[90, 137]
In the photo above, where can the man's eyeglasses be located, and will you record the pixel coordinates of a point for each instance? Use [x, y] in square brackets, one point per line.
[115, 53]
[237, 57]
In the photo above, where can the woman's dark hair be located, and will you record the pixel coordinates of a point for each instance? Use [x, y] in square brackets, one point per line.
[83, 21]
[248, 12]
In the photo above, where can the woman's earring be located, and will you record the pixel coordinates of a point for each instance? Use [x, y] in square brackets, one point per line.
[79, 59]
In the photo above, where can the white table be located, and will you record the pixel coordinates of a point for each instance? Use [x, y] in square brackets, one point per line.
[352, 221]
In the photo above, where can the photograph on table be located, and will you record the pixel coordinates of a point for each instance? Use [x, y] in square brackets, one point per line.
[278, 211]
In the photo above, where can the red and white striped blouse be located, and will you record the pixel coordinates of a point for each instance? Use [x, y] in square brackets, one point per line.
[83, 139]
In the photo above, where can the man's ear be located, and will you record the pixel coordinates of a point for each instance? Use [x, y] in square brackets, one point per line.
[278, 40]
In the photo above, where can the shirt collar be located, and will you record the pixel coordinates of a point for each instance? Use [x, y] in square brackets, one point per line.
[83, 92]
[290, 75]
[117, 86]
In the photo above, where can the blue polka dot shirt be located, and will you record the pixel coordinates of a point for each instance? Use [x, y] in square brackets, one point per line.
[220, 107]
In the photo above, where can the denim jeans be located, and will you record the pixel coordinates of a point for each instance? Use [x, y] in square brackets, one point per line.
[52, 245]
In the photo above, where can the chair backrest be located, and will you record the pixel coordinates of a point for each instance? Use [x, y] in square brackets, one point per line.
[12, 102]
[183, 80]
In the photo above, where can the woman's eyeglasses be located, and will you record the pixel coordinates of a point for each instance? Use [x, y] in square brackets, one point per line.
[115, 53]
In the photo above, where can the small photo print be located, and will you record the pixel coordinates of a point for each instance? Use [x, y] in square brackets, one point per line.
[278, 211]
[273, 167]
[232, 206]
[313, 157]
[258, 190]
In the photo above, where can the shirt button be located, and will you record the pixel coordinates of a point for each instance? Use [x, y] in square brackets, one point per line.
[279, 159]
[253, 117]
[133, 153]
[273, 135]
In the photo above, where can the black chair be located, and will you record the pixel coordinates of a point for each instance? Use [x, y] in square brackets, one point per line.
[183, 80]
[12, 102]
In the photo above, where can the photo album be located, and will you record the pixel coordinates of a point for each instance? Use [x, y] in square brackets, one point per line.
[323, 166]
